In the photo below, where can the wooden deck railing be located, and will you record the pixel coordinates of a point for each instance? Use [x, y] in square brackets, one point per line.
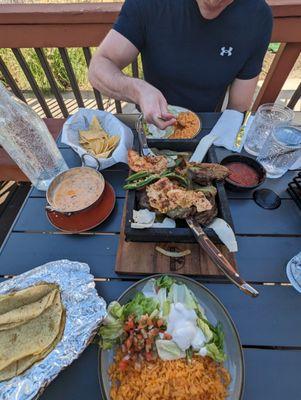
[85, 25]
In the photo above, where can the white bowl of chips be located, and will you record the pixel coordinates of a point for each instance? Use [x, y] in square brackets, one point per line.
[98, 134]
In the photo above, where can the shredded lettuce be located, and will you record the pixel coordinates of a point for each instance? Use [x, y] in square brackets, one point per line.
[181, 294]
[140, 305]
[204, 326]
[149, 289]
[111, 331]
[165, 282]
[165, 308]
[168, 350]
[215, 347]
[115, 310]
[215, 353]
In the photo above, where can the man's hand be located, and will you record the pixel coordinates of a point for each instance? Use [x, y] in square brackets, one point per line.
[154, 106]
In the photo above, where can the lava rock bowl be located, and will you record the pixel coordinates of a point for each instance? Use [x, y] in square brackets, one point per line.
[247, 161]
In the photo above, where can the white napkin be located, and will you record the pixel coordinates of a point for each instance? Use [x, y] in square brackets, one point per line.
[227, 128]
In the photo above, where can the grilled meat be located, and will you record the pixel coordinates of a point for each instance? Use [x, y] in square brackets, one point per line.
[143, 200]
[153, 164]
[205, 173]
[206, 217]
[166, 196]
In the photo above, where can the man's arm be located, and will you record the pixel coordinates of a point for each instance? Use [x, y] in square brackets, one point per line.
[105, 74]
[241, 94]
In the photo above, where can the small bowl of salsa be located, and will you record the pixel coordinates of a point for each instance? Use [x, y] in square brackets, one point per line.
[245, 173]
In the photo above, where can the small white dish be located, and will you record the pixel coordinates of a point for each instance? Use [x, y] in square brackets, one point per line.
[293, 272]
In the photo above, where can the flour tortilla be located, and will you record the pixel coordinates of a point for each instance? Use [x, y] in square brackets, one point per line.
[19, 366]
[13, 300]
[27, 312]
[33, 337]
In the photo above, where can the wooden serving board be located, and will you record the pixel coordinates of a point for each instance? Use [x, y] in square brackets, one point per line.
[143, 258]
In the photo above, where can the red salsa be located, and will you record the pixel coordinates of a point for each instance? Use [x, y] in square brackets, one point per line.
[242, 174]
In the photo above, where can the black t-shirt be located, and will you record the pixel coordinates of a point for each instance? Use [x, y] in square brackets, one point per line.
[193, 60]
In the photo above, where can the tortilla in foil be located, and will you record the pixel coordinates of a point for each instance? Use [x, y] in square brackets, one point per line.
[32, 322]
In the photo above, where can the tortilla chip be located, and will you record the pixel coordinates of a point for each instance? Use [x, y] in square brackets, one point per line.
[95, 125]
[96, 141]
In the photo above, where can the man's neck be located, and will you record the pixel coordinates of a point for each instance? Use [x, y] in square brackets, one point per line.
[211, 11]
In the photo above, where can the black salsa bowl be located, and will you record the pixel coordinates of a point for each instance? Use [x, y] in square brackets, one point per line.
[251, 162]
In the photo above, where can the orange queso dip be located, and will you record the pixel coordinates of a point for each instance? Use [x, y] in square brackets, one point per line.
[77, 192]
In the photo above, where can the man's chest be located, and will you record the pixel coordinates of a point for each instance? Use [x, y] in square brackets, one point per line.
[216, 53]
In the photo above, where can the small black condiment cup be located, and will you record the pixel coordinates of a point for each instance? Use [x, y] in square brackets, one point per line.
[235, 158]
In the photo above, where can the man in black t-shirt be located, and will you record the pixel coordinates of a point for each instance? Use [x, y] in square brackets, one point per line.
[192, 51]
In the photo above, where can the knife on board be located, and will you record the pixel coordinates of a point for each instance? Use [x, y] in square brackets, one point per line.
[218, 258]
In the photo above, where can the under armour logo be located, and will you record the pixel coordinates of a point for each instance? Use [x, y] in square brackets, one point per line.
[224, 51]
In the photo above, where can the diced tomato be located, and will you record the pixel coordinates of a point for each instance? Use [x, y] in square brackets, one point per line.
[144, 334]
[129, 325]
[148, 356]
[154, 332]
[128, 343]
[160, 323]
[123, 365]
[167, 336]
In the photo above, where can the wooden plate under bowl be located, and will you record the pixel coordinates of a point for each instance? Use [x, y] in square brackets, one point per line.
[85, 220]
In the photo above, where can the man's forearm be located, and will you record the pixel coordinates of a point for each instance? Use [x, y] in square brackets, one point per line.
[241, 94]
[105, 76]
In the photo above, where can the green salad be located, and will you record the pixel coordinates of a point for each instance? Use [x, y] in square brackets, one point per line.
[163, 320]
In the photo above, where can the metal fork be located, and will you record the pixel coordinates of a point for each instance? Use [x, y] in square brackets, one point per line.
[144, 149]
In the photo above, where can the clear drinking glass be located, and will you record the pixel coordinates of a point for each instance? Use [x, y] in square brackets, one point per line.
[267, 116]
[25, 137]
[281, 150]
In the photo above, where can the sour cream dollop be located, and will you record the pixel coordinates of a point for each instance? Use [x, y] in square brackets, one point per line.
[181, 325]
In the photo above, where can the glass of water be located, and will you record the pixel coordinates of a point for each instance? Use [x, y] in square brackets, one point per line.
[266, 118]
[281, 150]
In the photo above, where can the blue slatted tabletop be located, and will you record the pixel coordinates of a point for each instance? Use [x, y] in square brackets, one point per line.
[269, 326]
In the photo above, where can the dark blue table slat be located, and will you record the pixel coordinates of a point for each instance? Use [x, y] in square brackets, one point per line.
[272, 374]
[33, 217]
[249, 218]
[269, 320]
[115, 177]
[77, 382]
[260, 259]
[264, 259]
[36, 249]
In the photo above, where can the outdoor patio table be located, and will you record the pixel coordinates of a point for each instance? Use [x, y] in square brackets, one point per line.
[269, 326]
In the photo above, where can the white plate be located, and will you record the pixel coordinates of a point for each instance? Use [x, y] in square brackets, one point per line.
[215, 312]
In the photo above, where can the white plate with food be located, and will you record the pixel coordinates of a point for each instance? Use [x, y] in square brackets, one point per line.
[187, 127]
[169, 334]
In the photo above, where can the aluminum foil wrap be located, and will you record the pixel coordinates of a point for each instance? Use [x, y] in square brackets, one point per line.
[84, 312]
